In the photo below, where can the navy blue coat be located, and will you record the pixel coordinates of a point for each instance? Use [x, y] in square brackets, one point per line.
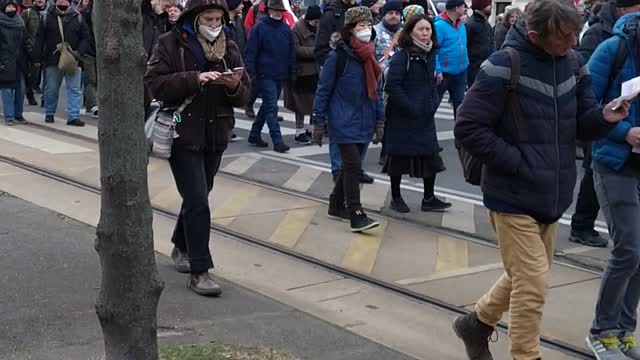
[343, 103]
[270, 52]
[413, 100]
[536, 175]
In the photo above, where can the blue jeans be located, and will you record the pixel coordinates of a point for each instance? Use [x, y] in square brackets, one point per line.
[620, 289]
[336, 158]
[270, 91]
[456, 85]
[13, 101]
[53, 80]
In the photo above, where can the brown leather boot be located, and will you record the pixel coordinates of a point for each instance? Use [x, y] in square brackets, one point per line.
[202, 284]
[475, 334]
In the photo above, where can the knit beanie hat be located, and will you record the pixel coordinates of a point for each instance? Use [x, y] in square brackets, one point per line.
[411, 10]
[368, 3]
[313, 13]
[233, 4]
[356, 14]
[480, 4]
[626, 3]
[393, 5]
[451, 4]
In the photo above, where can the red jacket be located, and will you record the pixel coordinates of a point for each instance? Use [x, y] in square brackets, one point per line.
[251, 20]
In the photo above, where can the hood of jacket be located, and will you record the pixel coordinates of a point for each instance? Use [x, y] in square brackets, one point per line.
[606, 16]
[517, 38]
[337, 6]
[11, 23]
[195, 7]
[627, 26]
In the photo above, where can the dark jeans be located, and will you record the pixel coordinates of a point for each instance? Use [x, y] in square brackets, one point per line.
[455, 85]
[193, 172]
[587, 206]
[620, 289]
[268, 113]
[347, 184]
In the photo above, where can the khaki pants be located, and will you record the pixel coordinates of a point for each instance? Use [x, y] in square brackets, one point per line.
[526, 247]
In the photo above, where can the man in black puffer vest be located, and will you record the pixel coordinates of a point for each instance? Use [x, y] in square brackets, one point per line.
[529, 170]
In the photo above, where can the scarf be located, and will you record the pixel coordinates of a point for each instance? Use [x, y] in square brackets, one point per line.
[11, 22]
[63, 13]
[392, 28]
[214, 50]
[365, 53]
[421, 45]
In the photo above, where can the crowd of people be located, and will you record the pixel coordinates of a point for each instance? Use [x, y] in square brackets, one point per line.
[523, 92]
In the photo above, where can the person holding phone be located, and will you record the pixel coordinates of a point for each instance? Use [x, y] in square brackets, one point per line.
[194, 60]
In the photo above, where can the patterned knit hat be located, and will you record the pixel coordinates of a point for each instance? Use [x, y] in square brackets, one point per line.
[411, 10]
[356, 14]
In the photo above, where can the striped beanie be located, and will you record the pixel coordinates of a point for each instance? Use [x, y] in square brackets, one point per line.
[411, 10]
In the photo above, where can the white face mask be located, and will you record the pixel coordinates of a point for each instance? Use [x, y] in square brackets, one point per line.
[364, 35]
[209, 33]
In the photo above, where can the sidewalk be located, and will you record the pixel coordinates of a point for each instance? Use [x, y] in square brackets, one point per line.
[50, 281]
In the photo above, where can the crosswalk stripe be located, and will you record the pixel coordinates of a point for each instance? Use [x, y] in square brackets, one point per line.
[363, 250]
[453, 254]
[246, 125]
[227, 212]
[374, 196]
[292, 227]
[303, 179]
[39, 142]
[240, 165]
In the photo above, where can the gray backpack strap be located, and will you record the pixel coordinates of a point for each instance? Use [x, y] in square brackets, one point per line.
[512, 96]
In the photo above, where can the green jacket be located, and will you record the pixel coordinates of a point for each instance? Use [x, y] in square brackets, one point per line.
[31, 20]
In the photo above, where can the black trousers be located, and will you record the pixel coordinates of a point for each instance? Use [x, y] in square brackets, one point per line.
[193, 172]
[347, 184]
[587, 206]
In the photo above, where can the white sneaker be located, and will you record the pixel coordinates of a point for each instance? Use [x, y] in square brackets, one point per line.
[94, 112]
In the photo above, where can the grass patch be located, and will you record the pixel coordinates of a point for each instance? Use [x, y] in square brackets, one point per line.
[220, 352]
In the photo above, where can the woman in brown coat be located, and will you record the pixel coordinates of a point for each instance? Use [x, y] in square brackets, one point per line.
[299, 94]
[197, 59]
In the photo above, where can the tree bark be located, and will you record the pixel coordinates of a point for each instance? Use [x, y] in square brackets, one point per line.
[128, 300]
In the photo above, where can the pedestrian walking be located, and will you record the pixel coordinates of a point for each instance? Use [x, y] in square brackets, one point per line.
[411, 139]
[453, 60]
[391, 24]
[271, 60]
[88, 61]
[587, 206]
[191, 62]
[348, 103]
[62, 22]
[299, 93]
[480, 42]
[31, 20]
[502, 27]
[525, 135]
[14, 50]
[616, 171]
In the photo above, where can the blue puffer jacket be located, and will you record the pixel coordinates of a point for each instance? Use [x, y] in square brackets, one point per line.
[413, 99]
[614, 150]
[532, 174]
[342, 102]
[452, 56]
[270, 52]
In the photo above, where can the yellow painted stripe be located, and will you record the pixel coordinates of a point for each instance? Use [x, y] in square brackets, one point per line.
[227, 213]
[363, 250]
[453, 254]
[168, 198]
[292, 227]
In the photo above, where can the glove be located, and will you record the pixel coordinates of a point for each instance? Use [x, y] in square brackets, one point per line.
[318, 134]
[379, 133]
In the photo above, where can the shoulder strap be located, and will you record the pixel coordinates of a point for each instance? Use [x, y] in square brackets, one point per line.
[341, 62]
[408, 61]
[61, 28]
[621, 57]
[512, 96]
[188, 100]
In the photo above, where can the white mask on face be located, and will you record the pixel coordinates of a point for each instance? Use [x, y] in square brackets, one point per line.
[209, 33]
[364, 35]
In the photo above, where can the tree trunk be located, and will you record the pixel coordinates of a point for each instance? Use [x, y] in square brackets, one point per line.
[128, 300]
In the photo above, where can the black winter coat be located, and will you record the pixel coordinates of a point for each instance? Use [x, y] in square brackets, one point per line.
[332, 21]
[536, 174]
[15, 46]
[412, 102]
[600, 29]
[153, 25]
[87, 14]
[76, 33]
[500, 34]
[480, 42]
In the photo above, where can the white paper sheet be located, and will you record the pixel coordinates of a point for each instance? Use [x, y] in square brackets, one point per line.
[630, 89]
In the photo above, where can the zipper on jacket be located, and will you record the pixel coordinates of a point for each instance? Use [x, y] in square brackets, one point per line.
[555, 100]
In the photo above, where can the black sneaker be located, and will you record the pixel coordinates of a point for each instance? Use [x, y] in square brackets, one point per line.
[48, 119]
[248, 110]
[364, 178]
[302, 139]
[337, 210]
[434, 204]
[9, 122]
[280, 119]
[588, 238]
[20, 120]
[256, 141]
[75, 122]
[32, 100]
[281, 147]
[308, 133]
[233, 137]
[476, 336]
[399, 205]
[361, 222]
